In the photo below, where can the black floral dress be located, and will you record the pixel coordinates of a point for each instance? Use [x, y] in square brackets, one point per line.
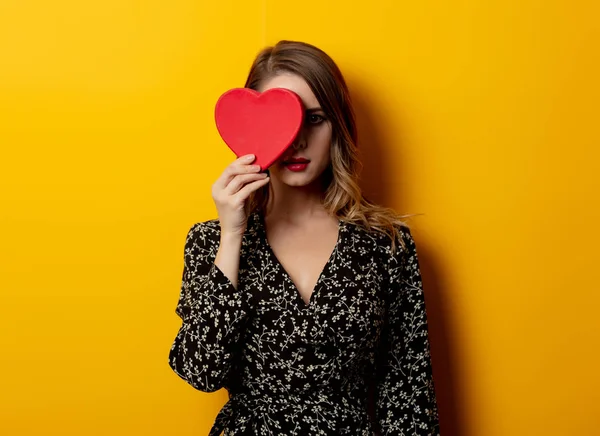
[354, 361]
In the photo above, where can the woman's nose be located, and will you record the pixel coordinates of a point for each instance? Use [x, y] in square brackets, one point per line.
[300, 141]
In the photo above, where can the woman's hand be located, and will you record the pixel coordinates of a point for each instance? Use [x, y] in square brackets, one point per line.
[231, 190]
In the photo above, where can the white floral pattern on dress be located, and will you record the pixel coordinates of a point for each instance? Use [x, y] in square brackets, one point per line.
[293, 368]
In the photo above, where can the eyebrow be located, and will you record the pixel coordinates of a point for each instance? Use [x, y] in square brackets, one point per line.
[314, 109]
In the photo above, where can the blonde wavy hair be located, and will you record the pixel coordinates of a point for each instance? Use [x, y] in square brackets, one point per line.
[342, 195]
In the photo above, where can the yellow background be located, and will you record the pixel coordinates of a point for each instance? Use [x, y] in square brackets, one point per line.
[482, 116]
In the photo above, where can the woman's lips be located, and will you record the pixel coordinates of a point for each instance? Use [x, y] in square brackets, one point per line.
[296, 164]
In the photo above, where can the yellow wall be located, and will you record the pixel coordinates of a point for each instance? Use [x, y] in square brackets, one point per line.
[483, 117]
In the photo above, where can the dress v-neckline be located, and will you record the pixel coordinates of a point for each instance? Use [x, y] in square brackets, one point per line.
[287, 276]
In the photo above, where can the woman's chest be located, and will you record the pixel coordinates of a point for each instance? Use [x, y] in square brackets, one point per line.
[302, 255]
[347, 305]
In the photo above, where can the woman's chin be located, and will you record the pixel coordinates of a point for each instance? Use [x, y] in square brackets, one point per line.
[295, 180]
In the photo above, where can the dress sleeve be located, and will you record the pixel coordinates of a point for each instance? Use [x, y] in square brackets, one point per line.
[405, 399]
[212, 312]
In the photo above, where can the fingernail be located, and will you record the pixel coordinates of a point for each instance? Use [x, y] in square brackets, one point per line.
[249, 157]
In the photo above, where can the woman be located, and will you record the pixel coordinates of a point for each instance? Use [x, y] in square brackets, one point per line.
[303, 299]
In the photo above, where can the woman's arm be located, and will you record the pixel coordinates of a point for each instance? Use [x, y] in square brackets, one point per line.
[228, 256]
[212, 310]
[405, 399]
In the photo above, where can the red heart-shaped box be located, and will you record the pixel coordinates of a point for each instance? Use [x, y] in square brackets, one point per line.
[264, 124]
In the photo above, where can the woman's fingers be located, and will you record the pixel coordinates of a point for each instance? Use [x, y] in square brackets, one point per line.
[249, 188]
[231, 190]
[240, 180]
[238, 166]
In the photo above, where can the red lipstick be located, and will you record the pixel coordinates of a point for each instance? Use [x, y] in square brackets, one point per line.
[296, 164]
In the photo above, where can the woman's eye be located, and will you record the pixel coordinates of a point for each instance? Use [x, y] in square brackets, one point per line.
[315, 119]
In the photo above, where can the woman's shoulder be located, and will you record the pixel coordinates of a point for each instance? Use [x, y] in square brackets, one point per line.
[390, 244]
[382, 236]
[210, 230]
[204, 232]
[211, 224]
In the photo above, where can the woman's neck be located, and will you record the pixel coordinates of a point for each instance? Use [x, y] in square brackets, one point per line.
[296, 204]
